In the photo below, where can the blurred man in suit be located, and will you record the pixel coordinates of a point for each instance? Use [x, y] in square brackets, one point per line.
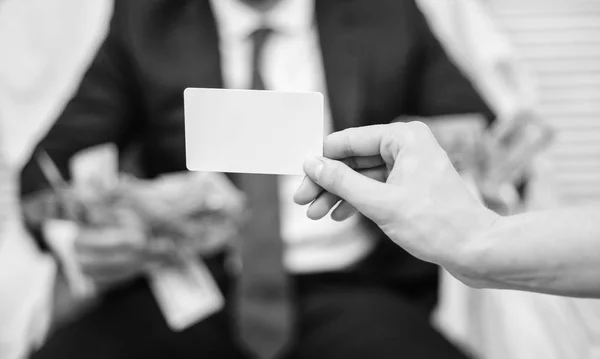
[352, 294]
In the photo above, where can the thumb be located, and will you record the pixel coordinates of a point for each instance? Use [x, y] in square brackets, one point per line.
[362, 192]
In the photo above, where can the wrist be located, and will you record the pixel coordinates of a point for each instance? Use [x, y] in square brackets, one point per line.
[472, 260]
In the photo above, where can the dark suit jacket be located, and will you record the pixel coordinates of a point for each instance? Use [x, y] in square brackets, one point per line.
[381, 61]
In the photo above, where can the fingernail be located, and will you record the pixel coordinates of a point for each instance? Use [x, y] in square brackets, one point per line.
[313, 167]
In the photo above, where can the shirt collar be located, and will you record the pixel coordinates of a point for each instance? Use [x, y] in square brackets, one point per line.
[236, 19]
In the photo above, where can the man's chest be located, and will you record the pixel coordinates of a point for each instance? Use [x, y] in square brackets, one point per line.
[365, 75]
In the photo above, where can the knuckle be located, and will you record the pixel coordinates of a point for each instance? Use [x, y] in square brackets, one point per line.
[396, 129]
[418, 125]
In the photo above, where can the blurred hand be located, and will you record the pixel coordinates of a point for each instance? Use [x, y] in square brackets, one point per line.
[200, 212]
[398, 176]
[114, 248]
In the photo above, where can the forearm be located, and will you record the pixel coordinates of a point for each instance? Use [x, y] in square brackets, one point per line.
[556, 252]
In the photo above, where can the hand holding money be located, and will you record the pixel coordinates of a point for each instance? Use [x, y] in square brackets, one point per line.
[128, 224]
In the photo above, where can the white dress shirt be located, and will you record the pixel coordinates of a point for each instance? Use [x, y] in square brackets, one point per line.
[291, 62]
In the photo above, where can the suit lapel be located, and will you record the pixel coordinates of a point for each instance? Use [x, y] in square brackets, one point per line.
[341, 61]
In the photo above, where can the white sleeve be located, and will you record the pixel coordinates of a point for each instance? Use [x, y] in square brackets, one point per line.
[27, 283]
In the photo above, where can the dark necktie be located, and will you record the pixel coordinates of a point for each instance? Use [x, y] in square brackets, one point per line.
[264, 312]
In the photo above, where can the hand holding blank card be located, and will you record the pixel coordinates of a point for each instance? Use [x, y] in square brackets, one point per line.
[248, 131]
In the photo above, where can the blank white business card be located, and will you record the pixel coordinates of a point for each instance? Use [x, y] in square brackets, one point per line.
[252, 131]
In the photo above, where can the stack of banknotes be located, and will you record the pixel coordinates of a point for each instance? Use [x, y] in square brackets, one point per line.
[196, 210]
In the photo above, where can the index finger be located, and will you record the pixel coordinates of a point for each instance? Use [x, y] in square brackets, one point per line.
[357, 141]
[309, 190]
